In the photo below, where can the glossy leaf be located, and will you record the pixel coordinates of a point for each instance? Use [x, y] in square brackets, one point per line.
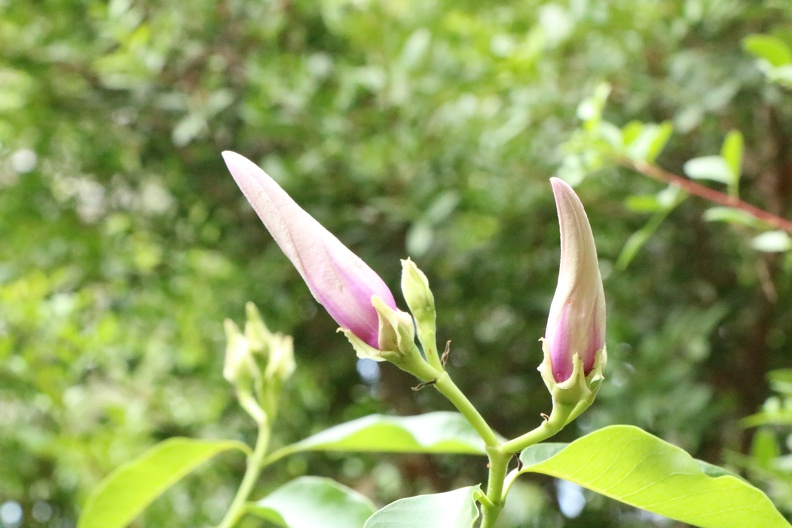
[128, 490]
[453, 509]
[630, 465]
[438, 432]
[309, 502]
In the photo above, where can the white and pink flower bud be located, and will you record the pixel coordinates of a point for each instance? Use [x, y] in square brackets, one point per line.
[337, 278]
[575, 331]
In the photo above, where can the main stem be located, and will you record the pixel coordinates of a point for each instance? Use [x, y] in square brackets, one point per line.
[500, 455]
[498, 466]
[498, 458]
[418, 367]
[254, 465]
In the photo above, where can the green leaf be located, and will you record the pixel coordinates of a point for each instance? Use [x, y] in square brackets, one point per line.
[630, 465]
[662, 201]
[772, 242]
[453, 509]
[437, 432]
[731, 215]
[127, 491]
[590, 109]
[732, 152]
[643, 203]
[646, 141]
[781, 380]
[764, 448]
[308, 502]
[781, 417]
[772, 49]
[713, 168]
[781, 75]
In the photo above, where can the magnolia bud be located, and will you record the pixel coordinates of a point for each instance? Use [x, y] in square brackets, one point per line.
[574, 341]
[337, 278]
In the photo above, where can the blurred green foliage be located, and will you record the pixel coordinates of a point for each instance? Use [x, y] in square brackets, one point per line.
[423, 129]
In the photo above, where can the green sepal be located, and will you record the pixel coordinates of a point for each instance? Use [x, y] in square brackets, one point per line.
[578, 390]
[396, 328]
[362, 349]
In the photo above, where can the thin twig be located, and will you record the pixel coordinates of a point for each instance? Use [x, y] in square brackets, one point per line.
[656, 173]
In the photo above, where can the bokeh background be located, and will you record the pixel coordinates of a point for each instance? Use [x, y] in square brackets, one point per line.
[424, 128]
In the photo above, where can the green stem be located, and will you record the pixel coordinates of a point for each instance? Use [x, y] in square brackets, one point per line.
[415, 364]
[554, 423]
[448, 388]
[254, 466]
[498, 465]
[498, 483]
[429, 342]
[499, 454]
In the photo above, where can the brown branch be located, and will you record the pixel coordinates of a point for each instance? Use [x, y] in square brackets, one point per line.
[656, 173]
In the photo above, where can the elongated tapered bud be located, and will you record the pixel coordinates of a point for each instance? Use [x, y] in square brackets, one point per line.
[337, 278]
[574, 341]
[576, 324]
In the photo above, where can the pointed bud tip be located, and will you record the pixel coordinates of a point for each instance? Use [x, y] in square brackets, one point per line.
[560, 187]
[238, 165]
[229, 156]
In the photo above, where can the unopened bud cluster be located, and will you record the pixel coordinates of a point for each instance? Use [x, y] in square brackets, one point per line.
[257, 361]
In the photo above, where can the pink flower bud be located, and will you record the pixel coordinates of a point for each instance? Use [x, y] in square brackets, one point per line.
[576, 324]
[337, 278]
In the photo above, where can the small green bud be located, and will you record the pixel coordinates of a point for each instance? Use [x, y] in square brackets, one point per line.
[281, 363]
[256, 332]
[239, 368]
[415, 287]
